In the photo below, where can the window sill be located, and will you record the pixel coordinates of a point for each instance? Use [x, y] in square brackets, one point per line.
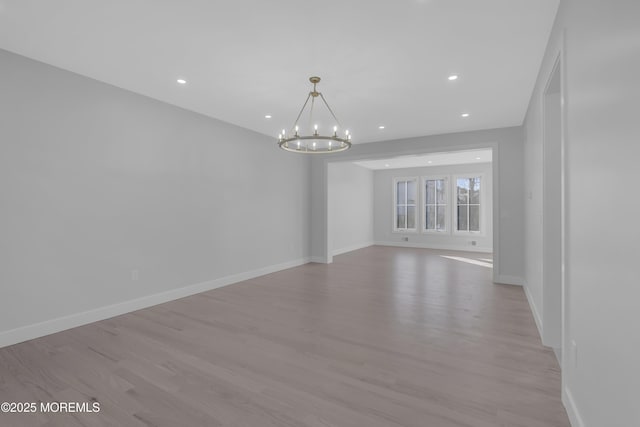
[469, 233]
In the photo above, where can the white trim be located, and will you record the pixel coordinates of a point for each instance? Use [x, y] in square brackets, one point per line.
[36, 330]
[572, 410]
[553, 324]
[436, 246]
[319, 260]
[534, 310]
[495, 208]
[407, 231]
[352, 248]
[504, 279]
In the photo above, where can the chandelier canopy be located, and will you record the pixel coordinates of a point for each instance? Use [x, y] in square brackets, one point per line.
[314, 143]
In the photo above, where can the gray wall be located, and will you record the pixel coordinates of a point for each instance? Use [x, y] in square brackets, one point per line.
[599, 45]
[96, 182]
[350, 207]
[508, 213]
[383, 217]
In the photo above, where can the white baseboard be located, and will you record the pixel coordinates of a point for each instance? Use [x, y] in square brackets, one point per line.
[534, 310]
[435, 246]
[509, 280]
[572, 410]
[318, 259]
[52, 326]
[352, 248]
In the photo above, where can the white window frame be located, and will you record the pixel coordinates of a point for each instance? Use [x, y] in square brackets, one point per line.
[454, 204]
[394, 205]
[447, 209]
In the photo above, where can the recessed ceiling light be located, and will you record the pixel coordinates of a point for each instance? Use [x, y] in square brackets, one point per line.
[182, 81]
[453, 77]
[477, 158]
[464, 115]
[429, 161]
[380, 127]
[268, 116]
[386, 165]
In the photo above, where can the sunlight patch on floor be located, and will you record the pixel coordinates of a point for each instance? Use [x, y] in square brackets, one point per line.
[469, 260]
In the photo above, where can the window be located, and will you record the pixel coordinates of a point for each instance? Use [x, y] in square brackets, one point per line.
[435, 204]
[468, 204]
[446, 204]
[405, 208]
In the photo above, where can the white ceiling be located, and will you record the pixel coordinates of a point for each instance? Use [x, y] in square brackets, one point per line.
[433, 159]
[383, 62]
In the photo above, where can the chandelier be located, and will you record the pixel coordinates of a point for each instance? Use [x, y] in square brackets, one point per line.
[314, 143]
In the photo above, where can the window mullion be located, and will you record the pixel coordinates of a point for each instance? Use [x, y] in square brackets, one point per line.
[406, 205]
[468, 205]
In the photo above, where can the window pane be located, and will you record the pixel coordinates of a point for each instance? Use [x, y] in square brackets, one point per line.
[401, 217]
[431, 218]
[474, 218]
[411, 192]
[462, 218]
[463, 190]
[400, 190]
[442, 198]
[411, 217]
[440, 218]
[474, 191]
[431, 192]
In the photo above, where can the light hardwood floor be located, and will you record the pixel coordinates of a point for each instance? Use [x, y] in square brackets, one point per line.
[383, 337]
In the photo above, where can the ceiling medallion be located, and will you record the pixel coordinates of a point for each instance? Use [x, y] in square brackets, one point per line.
[315, 143]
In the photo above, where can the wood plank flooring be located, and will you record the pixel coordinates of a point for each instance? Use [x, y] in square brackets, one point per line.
[383, 337]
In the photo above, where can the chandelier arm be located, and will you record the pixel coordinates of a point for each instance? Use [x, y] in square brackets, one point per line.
[301, 111]
[330, 110]
[313, 103]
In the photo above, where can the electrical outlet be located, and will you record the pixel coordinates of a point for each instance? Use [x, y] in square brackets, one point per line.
[135, 275]
[406, 239]
[473, 243]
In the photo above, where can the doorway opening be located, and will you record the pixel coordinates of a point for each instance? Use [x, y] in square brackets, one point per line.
[552, 199]
[441, 200]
